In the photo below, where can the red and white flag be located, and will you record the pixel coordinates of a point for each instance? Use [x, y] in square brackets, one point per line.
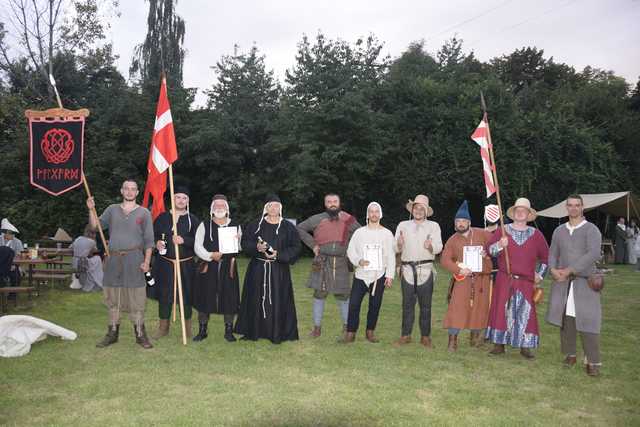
[480, 137]
[163, 152]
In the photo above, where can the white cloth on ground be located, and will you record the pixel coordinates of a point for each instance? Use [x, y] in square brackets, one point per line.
[18, 332]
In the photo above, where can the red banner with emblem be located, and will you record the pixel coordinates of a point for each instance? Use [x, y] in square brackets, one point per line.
[56, 149]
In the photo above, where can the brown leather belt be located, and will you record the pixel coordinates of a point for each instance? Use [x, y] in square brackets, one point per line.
[123, 252]
[174, 260]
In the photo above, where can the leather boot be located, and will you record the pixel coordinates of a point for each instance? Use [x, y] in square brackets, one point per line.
[453, 343]
[141, 336]
[405, 339]
[426, 342]
[498, 349]
[527, 354]
[569, 361]
[202, 332]
[111, 337]
[370, 336]
[187, 327]
[476, 340]
[592, 370]
[228, 332]
[348, 338]
[315, 332]
[163, 329]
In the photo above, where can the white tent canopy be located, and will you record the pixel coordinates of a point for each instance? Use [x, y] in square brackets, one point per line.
[621, 204]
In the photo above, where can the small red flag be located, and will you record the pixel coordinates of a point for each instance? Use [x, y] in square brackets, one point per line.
[480, 137]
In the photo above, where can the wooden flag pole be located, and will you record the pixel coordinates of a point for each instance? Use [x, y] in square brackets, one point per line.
[494, 171]
[95, 215]
[84, 178]
[176, 264]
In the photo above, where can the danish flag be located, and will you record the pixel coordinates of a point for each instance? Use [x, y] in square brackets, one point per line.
[163, 153]
[480, 137]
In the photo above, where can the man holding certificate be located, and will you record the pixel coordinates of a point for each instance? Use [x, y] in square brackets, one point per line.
[217, 289]
[469, 296]
[371, 251]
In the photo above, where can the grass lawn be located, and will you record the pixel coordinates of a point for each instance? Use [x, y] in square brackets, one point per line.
[317, 381]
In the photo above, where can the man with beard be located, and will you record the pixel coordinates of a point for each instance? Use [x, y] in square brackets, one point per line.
[418, 241]
[512, 317]
[165, 262]
[267, 308]
[468, 296]
[217, 288]
[573, 305]
[328, 234]
[130, 245]
[371, 250]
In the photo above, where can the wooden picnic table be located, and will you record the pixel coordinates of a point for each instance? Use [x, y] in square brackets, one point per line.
[54, 268]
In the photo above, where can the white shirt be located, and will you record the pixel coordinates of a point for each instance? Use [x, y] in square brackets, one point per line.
[198, 244]
[415, 233]
[367, 235]
[571, 302]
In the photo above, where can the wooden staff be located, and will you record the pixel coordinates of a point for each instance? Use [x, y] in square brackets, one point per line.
[494, 171]
[84, 178]
[176, 266]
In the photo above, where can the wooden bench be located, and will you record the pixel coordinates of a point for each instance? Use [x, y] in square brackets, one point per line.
[4, 295]
[49, 276]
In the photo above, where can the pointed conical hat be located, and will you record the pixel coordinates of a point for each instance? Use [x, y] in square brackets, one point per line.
[62, 236]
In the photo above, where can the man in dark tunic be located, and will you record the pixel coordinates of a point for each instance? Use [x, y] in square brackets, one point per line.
[165, 290]
[573, 305]
[217, 288]
[130, 245]
[327, 234]
[267, 308]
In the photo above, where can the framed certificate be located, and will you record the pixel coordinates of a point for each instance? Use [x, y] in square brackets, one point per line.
[472, 258]
[373, 254]
[228, 242]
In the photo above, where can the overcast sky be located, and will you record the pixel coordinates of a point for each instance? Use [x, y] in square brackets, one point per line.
[601, 33]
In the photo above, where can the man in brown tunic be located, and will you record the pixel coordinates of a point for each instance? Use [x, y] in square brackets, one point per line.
[469, 290]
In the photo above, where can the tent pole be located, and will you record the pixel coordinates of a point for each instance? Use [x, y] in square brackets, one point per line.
[628, 198]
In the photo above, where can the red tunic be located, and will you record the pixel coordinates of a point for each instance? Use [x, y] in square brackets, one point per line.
[512, 317]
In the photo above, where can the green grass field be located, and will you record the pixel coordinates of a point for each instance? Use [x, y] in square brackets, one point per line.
[317, 381]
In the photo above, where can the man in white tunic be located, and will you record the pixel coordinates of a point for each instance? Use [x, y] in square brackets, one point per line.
[371, 251]
[418, 241]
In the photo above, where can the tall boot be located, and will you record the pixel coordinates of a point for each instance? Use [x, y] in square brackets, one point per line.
[371, 337]
[141, 336]
[163, 329]
[228, 332]
[111, 337]
[202, 332]
[475, 340]
[453, 343]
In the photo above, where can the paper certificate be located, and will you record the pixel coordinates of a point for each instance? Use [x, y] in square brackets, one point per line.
[472, 258]
[228, 240]
[373, 254]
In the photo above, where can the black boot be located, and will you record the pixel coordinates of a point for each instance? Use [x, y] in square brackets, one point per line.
[141, 336]
[202, 332]
[111, 337]
[228, 332]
